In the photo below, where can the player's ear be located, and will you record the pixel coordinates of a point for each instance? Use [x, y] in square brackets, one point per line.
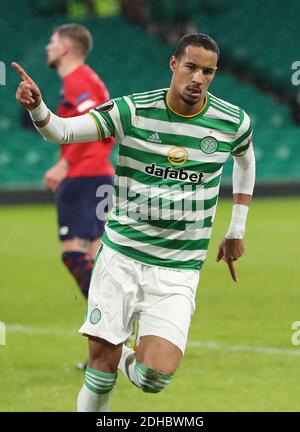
[173, 63]
[66, 45]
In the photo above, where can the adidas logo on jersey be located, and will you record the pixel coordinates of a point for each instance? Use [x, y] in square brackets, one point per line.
[154, 138]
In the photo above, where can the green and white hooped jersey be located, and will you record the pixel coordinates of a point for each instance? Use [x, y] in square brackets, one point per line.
[168, 175]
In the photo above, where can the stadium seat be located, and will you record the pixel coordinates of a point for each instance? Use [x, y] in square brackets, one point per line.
[24, 156]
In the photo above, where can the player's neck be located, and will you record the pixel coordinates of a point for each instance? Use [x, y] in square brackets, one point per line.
[179, 106]
[68, 66]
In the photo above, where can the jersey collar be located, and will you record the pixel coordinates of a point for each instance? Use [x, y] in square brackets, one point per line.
[202, 111]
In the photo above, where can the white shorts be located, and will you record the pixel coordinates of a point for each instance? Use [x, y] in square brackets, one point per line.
[121, 290]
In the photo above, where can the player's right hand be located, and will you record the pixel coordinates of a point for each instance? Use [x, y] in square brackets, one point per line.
[28, 94]
[55, 175]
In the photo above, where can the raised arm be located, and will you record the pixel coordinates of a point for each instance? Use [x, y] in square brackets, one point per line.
[54, 129]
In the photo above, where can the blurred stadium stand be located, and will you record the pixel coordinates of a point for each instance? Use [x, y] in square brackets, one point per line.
[259, 46]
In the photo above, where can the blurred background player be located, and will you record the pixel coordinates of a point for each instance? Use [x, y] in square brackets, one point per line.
[81, 169]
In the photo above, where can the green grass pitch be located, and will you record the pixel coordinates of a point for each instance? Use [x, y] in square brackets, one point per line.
[241, 357]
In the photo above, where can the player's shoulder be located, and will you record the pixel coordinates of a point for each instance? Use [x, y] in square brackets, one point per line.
[149, 99]
[226, 110]
[81, 78]
[87, 71]
[87, 76]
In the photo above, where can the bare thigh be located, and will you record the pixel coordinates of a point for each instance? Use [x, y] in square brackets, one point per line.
[75, 245]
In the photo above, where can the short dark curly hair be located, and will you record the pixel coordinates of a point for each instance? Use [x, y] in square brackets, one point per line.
[196, 39]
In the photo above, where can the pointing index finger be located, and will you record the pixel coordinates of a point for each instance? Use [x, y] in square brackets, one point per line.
[21, 72]
[232, 270]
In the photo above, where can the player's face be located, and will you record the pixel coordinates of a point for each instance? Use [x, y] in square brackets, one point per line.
[55, 50]
[193, 73]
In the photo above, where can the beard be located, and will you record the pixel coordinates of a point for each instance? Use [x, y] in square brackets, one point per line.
[52, 64]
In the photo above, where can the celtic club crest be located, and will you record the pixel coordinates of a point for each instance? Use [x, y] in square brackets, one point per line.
[209, 145]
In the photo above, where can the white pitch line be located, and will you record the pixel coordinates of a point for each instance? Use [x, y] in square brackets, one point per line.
[245, 348]
[15, 328]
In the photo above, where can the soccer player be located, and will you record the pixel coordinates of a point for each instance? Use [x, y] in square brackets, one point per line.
[173, 145]
[81, 169]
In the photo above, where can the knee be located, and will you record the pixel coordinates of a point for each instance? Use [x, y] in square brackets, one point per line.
[151, 380]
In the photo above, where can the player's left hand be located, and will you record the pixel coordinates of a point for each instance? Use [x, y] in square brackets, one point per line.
[230, 251]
